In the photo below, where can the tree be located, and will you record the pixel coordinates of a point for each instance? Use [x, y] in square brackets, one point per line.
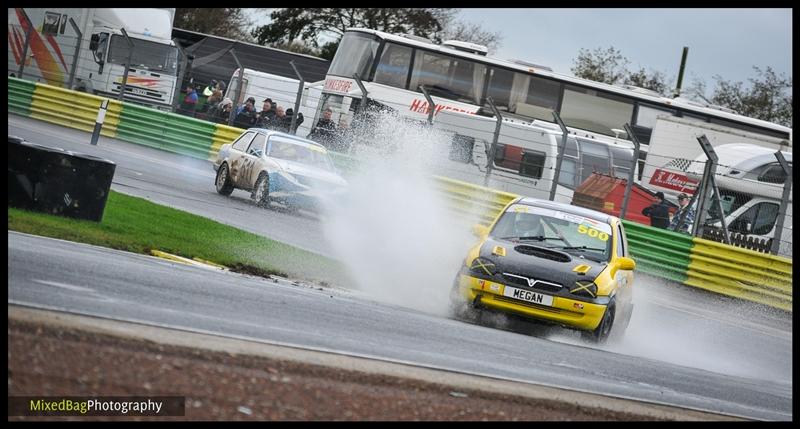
[230, 22]
[296, 46]
[769, 96]
[655, 81]
[608, 66]
[453, 29]
[311, 24]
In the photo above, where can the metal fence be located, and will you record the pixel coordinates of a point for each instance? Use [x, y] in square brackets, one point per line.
[593, 171]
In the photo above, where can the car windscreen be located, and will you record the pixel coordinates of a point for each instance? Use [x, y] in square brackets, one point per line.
[574, 234]
[294, 152]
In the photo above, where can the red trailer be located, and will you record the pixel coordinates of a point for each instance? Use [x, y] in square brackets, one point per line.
[604, 193]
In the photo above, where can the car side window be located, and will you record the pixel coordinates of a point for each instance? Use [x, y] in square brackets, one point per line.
[620, 242]
[241, 143]
[257, 146]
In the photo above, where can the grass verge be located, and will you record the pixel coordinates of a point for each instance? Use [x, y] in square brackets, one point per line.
[137, 225]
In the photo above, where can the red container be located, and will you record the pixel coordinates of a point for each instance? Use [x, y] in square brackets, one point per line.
[605, 193]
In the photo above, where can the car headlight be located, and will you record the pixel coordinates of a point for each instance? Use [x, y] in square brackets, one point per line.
[483, 266]
[584, 288]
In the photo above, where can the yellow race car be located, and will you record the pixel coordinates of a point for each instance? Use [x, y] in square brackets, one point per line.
[550, 262]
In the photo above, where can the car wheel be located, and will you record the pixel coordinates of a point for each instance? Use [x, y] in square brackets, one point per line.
[601, 333]
[261, 191]
[223, 181]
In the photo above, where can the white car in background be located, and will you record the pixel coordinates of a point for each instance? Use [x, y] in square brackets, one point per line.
[276, 166]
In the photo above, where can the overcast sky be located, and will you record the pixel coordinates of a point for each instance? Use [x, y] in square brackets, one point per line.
[725, 42]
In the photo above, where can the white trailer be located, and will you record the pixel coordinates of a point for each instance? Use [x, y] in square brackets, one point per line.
[281, 90]
[674, 148]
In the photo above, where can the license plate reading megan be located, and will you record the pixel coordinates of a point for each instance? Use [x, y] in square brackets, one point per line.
[526, 295]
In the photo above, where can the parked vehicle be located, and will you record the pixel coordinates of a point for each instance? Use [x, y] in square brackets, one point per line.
[102, 51]
[750, 181]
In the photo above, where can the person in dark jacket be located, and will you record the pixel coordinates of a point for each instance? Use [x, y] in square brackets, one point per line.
[325, 130]
[266, 116]
[288, 120]
[658, 212]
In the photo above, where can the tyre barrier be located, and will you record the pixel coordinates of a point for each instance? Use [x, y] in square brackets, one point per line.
[56, 181]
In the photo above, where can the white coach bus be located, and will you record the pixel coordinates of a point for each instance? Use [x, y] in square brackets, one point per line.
[460, 78]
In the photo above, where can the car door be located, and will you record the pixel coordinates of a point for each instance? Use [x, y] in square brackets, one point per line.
[251, 164]
[237, 156]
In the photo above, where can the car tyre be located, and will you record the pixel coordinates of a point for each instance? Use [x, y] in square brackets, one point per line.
[261, 190]
[223, 180]
[601, 333]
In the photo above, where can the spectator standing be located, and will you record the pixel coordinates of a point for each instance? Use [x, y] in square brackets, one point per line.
[279, 123]
[267, 114]
[246, 117]
[325, 130]
[683, 202]
[190, 100]
[658, 212]
[209, 90]
[251, 101]
[224, 110]
[297, 122]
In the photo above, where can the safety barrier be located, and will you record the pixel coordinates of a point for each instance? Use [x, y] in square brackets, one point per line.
[166, 131]
[695, 262]
[472, 201]
[61, 106]
[659, 252]
[741, 273]
[223, 134]
[20, 94]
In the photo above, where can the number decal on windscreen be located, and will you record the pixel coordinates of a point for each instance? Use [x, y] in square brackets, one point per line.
[591, 232]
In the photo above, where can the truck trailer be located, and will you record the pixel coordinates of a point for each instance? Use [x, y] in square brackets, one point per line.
[86, 49]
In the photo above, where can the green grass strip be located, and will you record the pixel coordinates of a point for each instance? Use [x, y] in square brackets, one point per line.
[137, 225]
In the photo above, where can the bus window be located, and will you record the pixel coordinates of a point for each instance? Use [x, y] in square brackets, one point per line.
[595, 111]
[541, 100]
[355, 54]
[448, 77]
[393, 66]
[646, 115]
[500, 83]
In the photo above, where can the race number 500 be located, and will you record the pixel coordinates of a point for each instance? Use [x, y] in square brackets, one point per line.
[591, 232]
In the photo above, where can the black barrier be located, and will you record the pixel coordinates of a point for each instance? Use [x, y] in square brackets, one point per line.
[56, 181]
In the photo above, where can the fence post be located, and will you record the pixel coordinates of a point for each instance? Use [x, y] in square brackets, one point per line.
[363, 107]
[629, 185]
[431, 104]
[176, 97]
[76, 57]
[787, 193]
[297, 100]
[560, 155]
[495, 139]
[127, 64]
[708, 180]
[28, 33]
[98, 123]
[240, 79]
